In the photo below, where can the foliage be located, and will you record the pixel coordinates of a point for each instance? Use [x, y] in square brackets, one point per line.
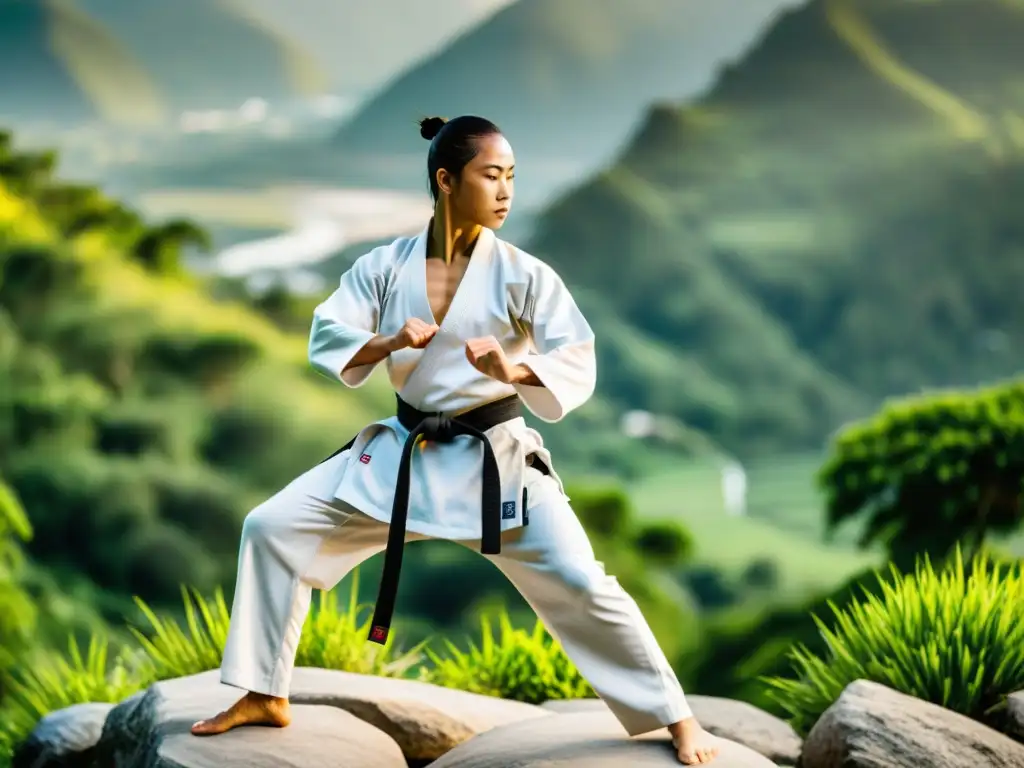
[604, 511]
[17, 611]
[45, 682]
[524, 666]
[795, 252]
[951, 636]
[932, 470]
[666, 543]
[333, 639]
[139, 416]
[519, 665]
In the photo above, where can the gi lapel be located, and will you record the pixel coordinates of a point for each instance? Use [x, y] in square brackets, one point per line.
[471, 291]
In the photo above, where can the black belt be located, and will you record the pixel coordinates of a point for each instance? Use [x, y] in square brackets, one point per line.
[442, 429]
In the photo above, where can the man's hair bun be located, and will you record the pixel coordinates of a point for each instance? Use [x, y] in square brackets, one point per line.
[431, 126]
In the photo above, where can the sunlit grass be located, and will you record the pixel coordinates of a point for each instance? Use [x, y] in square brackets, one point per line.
[515, 664]
[951, 636]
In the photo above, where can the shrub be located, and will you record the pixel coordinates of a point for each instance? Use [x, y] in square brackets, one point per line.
[951, 636]
[666, 543]
[524, 666]
[603, 511]
[930, 471]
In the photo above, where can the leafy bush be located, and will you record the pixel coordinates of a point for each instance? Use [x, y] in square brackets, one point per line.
[519, 665]
[665, 542]
[603, 511]
[951, 636]
[930, 471]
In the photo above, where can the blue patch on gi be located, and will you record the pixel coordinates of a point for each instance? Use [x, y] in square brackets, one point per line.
[508, 510]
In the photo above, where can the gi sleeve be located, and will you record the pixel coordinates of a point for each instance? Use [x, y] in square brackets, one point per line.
[346, 320]
[562, 348]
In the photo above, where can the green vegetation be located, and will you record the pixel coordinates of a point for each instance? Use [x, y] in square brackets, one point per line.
[930, 472]
[142, 419]
[519, 665]
[515, 664]
[951, 636]
[17, 612]
[804, 242]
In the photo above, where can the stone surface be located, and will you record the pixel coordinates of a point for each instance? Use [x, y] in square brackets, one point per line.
[151, 730]
[1015, 714]
[64, 739]
[581, 740]
[872, 726]
[735, 720]
[425, 720]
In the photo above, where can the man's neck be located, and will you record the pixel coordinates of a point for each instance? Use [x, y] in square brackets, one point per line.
[450, 239]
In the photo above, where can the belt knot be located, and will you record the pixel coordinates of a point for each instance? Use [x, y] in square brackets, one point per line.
[439, 429]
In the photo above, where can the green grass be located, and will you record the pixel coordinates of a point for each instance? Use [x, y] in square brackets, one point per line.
[784, 522]
[511, 663]
[950, 635]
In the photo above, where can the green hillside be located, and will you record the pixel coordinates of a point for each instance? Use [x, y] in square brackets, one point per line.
[566, 79]
[139, 63]
[142, 417]
[834, 223]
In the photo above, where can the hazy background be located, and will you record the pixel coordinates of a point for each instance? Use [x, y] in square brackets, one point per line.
[775, 214]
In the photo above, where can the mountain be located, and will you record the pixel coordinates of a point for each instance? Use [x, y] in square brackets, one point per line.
[834, 223]
[565, 79]
[364, 45]
[140, 63]
[210, 53]
[58, 63]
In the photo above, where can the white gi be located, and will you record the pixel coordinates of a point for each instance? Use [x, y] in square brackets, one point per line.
[335, 516]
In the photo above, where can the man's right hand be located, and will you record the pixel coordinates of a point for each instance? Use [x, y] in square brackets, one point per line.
[415, 333]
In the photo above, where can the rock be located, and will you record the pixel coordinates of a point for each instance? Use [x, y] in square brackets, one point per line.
[872, 726]
[151, 730]
[425, 720]
[584, 739]
[63, 739]
[1015, 713]
[735, 720]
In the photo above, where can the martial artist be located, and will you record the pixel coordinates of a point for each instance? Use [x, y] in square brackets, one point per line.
[471, 329]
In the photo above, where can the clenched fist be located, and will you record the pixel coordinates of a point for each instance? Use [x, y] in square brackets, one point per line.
[486, 355]
[415, 333]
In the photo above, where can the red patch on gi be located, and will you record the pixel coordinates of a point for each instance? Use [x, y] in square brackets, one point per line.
[379, 633]
[365, 458]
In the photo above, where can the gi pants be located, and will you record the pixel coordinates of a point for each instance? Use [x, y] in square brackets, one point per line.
[302, 538]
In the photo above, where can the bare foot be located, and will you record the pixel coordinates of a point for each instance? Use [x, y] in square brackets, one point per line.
[694, 745]
[251, 709]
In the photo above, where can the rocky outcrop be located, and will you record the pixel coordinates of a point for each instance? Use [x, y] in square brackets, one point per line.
[872, 726]
[735, 720]
[64, 739]
[425, 720]
[362, 721]
[583, 739]
[151, 730]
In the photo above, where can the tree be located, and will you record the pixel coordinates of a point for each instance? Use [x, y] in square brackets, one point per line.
[159, 248]
[932, 470]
